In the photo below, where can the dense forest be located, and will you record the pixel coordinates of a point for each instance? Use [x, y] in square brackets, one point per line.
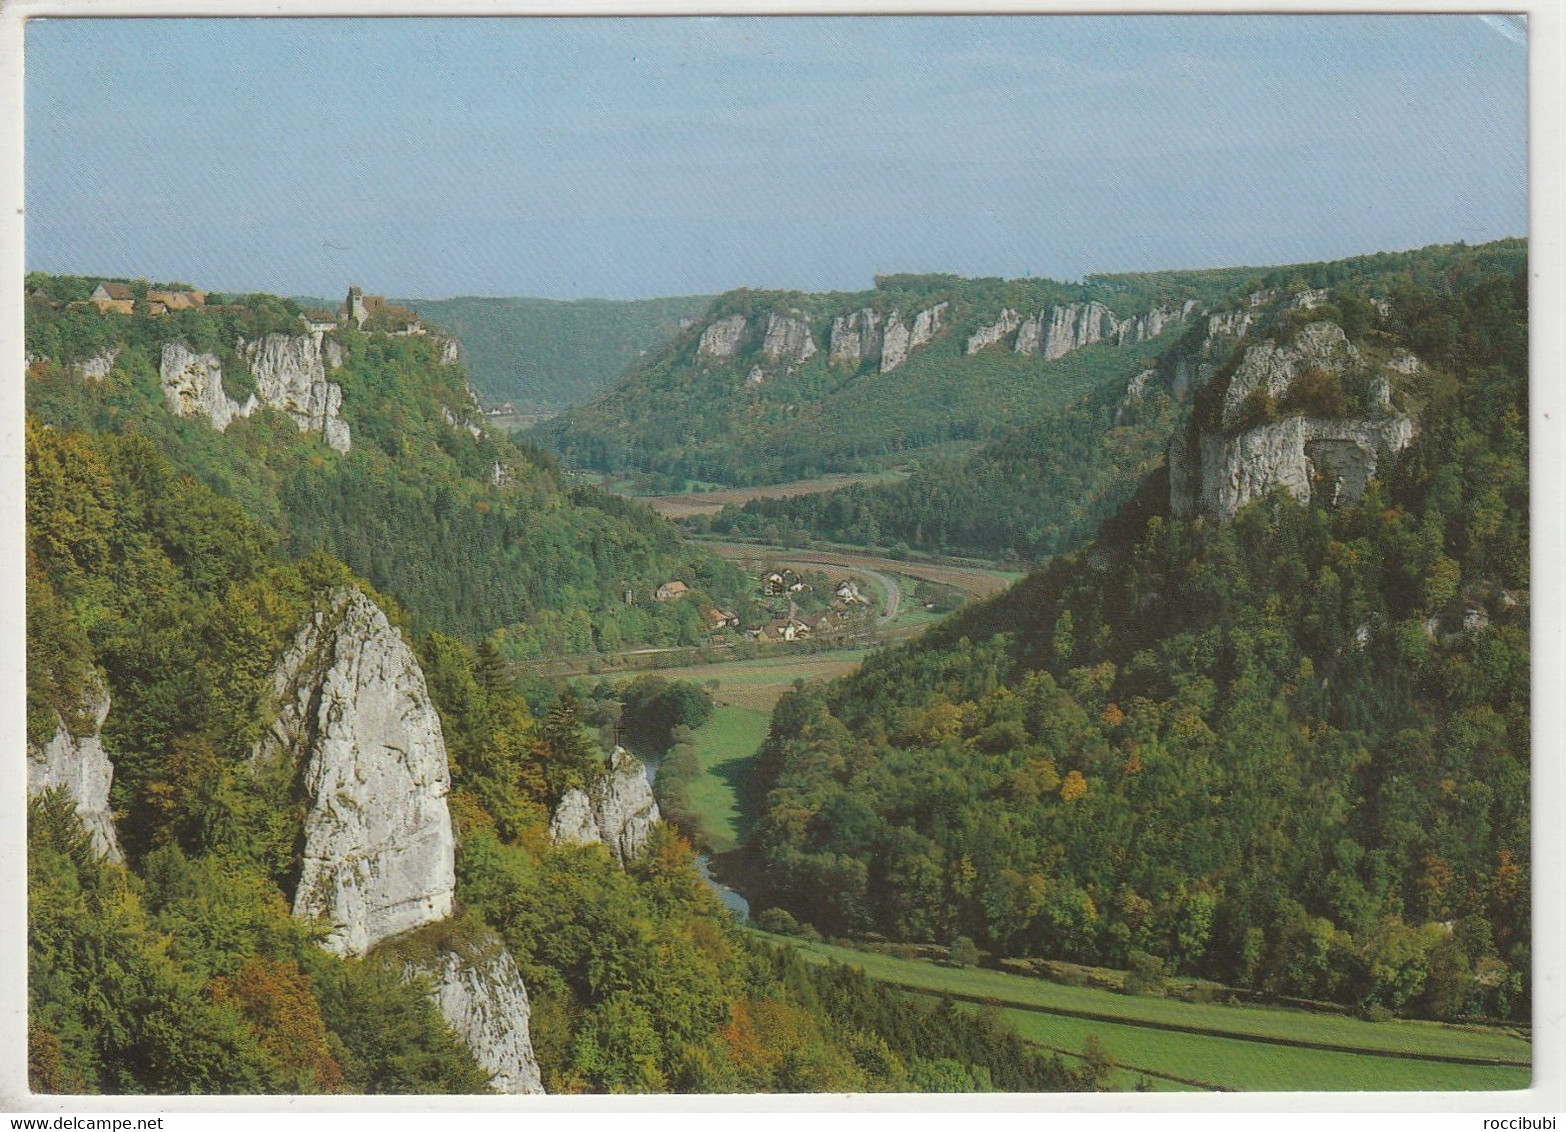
[472, 534]
[1290, 752]
[1037, 489]
[181, 969]
[540, 354]
[684, 416]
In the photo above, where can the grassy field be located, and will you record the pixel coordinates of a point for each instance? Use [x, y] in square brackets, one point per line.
[691, 503]
[725, 744]
[1221, 1046]
[1233, 1063]
[759, 684]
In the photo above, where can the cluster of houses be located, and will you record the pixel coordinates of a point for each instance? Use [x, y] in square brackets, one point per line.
[797, 628]
[835, 622]
[118, 298]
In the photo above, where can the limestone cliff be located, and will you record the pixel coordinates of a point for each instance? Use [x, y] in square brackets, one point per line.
[1055, 332]
[193, 386]
[80, 765]
[856, 337]
[481, 995]
[901, 339]
[1314, 459]
[97, 367]
[1135, 394]
[354, 716]
[618, 810]
[1271, 368]
[991, 335]
[1217, 469]
[722, 339]
[788, 338]
[1229, 324]
[291, 376]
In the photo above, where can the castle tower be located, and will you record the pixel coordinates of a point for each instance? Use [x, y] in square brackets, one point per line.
[356, 311]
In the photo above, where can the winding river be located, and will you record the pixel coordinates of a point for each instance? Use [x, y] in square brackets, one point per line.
[731, 900]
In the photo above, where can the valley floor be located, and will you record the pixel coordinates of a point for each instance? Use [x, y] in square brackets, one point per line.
[1211, 1046]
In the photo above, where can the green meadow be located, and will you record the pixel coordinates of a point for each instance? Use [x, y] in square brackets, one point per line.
[1215, 1046]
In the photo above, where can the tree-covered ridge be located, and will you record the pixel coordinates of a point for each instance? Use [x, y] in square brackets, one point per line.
[686, 415]
[182, 971]
[474, 533]
[1044, 483]
[1036, 489]
[540, 354]
[1290, 753]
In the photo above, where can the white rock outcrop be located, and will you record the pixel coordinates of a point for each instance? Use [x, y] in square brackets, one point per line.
[1061, 329]
[481, 995]
[619, 810]
[994, 333]
[1135, 394]
[788, 338]
[1146, 326]
[856, 337]
[1405, 362]
[894, 342]
[901, 339]
[1073, 326]
[450, 352]
[722, 339]
[80, 765]
[473, 429]
[354, 712]
[1314, 459]
[290, 375]
[1229, 324]
[1272, 368]
[332, 351]
[193, 386]
[97, 367]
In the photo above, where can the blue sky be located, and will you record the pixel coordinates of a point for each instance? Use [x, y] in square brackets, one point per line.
[626, 158]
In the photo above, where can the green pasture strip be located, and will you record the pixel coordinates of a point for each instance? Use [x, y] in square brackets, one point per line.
[724, 744]
[1237, 1064]
[909, 611]
[1278, 1024]
[762, 670]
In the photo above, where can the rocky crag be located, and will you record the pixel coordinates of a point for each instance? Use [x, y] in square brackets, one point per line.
[79, 765]
[193, 386]
[617, 811]
[1217, 467]
[354, 715]
[290, 374]
[356, 724]
[481, 995]
[1055, 332]
[787, 338]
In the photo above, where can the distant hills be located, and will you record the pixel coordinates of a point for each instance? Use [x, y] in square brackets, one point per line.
[542, 354]
[771, 386]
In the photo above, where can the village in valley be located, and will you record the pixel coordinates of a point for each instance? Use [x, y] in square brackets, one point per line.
[789, 606]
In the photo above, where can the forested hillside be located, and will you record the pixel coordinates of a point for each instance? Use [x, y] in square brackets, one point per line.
[542, 354]
[470, 531]
[1045, 483]
[771, 386]
[1279, 739]
[173, 965]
